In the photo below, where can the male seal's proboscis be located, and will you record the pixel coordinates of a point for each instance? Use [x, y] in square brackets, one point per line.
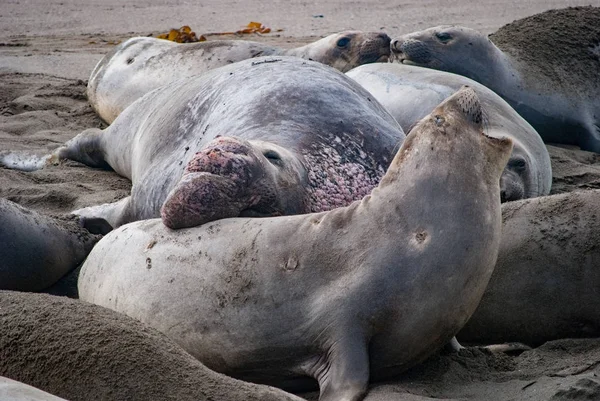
[359, 292]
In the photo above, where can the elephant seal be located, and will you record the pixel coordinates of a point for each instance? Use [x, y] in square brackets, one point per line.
[410, 93]
[80, 351]
[38, 250]
[328, 296]
[262, 137]
[142, 64]
[546, 282]
[545, 66]
[11, 390]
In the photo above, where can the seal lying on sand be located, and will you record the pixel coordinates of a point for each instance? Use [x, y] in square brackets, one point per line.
[11, 390]
[546, 66]
[307, 139]
[38, 250]
[546, 282]
[410, 93]
[83, 352]
[361, 291]
[142, 64]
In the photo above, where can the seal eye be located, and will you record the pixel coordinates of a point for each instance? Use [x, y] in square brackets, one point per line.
[439, 120]
[443, 37]
[517, 164]
[343, 42]
[272, 156]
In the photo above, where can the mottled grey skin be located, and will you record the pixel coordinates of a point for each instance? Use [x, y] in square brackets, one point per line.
[142, 64]
[37, 250]
[307, 139]
[409, 93]
[547, 280]
[341, 296]
[560, 113]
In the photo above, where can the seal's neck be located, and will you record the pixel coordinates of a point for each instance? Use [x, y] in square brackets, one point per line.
[495, 70]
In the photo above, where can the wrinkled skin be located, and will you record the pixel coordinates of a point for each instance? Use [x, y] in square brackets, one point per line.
[337, 297]
[141, 64]
[409, 93]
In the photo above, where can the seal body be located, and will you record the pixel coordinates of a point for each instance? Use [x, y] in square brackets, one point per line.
[142, 64]
[409, 93]
[339, 296]
[38, 250]
[545, 284]
[552, 81]
[266, 136]
[80, 351]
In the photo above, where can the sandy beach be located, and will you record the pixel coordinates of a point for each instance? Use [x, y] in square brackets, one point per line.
[48, 49]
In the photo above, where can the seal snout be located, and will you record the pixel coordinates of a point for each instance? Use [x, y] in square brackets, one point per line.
[376, 48]
[410, 51]
[469, 104]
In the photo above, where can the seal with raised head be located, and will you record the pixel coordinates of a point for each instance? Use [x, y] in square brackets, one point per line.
[547, 67]
[266, 136]
[410, 93]
[361, 291]
[38, 250]
[80, 351]
[546, 282]
[142, 64]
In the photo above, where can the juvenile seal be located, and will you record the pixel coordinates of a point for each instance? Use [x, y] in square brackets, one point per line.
[38, 250]
[360, 291]
[545, 284]
[80, 351]
[142, 64]
[547, 67]
[410, 93]
[307, 139]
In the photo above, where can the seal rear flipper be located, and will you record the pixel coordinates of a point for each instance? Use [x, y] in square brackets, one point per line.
[86, 148]
[101, 219]
[343, 370]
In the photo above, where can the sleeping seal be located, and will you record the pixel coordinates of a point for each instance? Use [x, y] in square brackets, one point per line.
[141, 64]
[410, 93]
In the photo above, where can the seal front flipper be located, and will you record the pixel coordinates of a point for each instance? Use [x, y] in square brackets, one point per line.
[343, 370]
[86, 148]
[101, 219]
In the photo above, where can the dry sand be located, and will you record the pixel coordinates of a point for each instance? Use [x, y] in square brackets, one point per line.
[48, 49]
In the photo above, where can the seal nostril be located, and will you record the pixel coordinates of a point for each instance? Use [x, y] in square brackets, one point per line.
[272, 156]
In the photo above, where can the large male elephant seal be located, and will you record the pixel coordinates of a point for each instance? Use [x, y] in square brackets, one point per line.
[80, 351]
[361, 291]
[546, 66]
[410, 93]
[306, 139]
[142, 64]
[37, 250]
[546, 284]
